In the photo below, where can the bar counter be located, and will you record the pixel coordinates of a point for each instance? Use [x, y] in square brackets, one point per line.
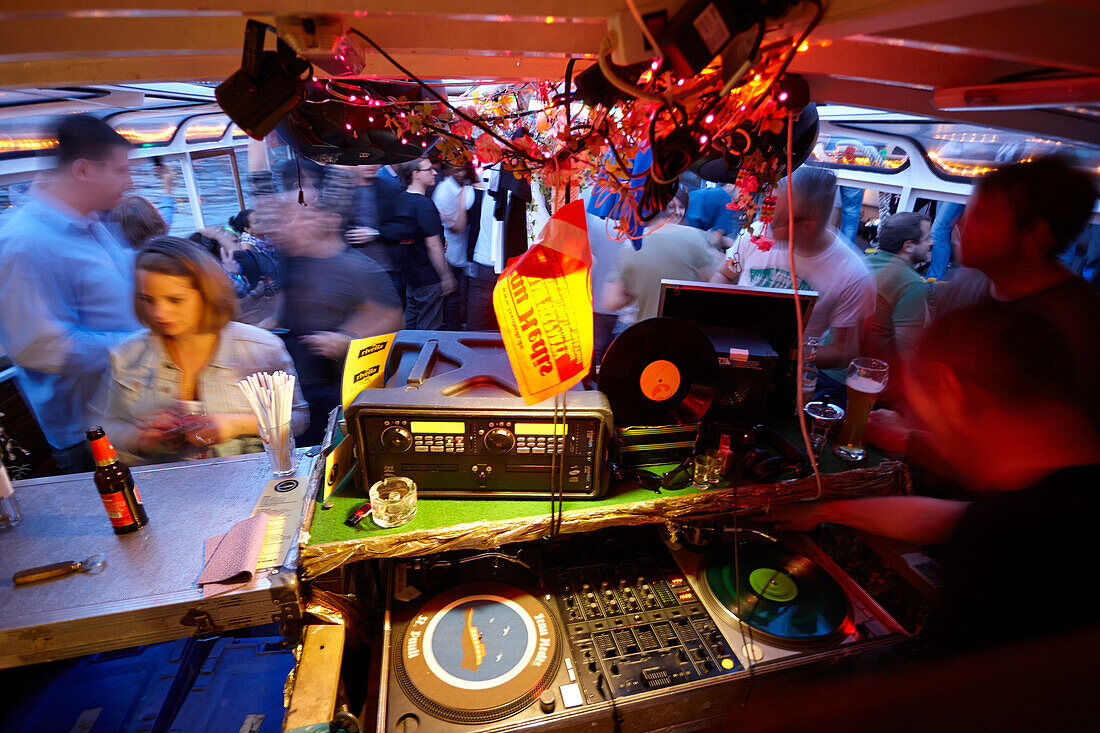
[146, 591]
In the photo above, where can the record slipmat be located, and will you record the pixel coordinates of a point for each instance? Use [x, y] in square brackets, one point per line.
[478, 653]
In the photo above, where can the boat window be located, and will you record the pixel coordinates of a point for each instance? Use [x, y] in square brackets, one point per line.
[147, 183]
[206, 129]
[851, 151]
[962, 152]
[26, 136]
[151, 132]
[217, 189]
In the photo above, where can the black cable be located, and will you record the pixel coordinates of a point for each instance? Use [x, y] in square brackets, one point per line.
[473, 121]
[569, 91]
[298, 166]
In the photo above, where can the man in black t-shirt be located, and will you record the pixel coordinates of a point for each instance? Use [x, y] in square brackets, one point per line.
[997, 387]
[424, 267]
[331, 295]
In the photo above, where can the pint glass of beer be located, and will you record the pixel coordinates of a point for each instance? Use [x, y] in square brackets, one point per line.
[866, 380]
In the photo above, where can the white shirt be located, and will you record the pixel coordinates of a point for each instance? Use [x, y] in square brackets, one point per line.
[448, 197]
[845, 286]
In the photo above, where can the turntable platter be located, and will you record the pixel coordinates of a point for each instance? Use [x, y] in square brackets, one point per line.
[478, 653]
[777, 593]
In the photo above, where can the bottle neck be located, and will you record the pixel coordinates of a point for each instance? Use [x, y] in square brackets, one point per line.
[103, 452]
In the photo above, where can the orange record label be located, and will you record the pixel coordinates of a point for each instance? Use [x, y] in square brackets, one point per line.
[660, 379]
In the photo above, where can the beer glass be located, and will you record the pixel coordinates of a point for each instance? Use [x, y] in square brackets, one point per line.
[866, 379]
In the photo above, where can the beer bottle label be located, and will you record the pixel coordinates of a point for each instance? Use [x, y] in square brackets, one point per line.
[137, 496]
[117, 509]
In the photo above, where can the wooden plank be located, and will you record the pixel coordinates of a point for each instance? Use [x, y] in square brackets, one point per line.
[452, 8]
[113, 70]
[52, 37]
[314, 697]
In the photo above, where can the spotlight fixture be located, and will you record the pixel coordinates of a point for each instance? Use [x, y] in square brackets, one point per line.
[268, 85]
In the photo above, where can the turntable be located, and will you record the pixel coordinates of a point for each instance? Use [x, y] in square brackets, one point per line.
[781, 600]
[478, 653]
[479, 649]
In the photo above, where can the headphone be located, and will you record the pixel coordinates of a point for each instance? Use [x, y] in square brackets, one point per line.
[772, 456]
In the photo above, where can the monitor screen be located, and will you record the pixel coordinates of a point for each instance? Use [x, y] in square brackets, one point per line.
[765, 312]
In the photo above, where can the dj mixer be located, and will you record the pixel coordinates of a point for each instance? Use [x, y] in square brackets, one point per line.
[615, 631]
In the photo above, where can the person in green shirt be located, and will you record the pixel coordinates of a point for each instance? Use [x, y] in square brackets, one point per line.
[901, 295]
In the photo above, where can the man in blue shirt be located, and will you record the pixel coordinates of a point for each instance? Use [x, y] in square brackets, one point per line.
[67, 284]
[707, 209]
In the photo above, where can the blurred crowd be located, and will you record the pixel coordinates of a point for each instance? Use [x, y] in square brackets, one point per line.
[112, 320]
[993, 372]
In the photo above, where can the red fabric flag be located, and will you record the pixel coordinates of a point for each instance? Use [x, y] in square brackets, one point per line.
[543, 303]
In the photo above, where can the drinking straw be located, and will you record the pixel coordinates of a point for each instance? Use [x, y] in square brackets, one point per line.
[271, 397]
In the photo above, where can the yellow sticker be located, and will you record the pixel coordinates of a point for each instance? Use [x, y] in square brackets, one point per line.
[337, 464]
[365, 365]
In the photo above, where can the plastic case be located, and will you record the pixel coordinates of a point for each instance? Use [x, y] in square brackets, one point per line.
[240, 687]
[121, 691]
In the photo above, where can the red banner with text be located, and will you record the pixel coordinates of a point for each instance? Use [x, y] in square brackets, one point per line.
[543, 303]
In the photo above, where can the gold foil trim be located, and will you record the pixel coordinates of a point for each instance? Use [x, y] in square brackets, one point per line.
[886, 479]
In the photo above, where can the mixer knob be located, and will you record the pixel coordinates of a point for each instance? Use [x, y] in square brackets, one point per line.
[396, 439]
[499, 440]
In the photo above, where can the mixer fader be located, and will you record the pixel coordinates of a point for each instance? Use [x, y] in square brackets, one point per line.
[637, 627]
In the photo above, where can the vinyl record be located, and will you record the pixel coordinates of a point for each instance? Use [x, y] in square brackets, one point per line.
[781, 595]
[477, 653]
[661, 371]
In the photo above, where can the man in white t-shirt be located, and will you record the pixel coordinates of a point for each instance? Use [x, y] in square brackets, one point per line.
[823, 262]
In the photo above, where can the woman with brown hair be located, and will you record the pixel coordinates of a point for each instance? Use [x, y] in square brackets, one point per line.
[137, 220]
[172, 390]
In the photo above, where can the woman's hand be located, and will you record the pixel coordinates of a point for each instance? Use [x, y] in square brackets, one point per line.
[220, 427]
[161, 433]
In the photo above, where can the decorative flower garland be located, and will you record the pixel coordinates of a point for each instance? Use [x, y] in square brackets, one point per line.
[529, 131]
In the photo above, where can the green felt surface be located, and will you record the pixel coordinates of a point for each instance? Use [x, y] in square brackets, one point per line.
[328, 524]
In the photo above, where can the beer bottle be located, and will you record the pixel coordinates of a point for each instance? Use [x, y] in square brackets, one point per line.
[116, 486]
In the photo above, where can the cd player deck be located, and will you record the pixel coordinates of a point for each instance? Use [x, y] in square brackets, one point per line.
[450, 418]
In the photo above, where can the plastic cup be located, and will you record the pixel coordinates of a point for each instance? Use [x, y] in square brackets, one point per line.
[279, 446]
[826, 419]
[717, 459]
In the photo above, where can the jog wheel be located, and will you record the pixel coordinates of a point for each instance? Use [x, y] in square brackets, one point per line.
[478, 653]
